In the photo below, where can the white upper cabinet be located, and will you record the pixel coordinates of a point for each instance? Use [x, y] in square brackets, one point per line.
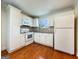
[64, 19]
[51, 20]
[27, 20]
[35, 22]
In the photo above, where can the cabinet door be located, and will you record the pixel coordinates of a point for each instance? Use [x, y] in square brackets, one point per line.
[42, 39]
[49, 40]
[46, 39]
[15, 17]
[30, 22]
[16, 36]
[51, 20]
[64, 40]
[36, 37]
[26, 20]
[65, 19]
[22, 40]
[35, 22]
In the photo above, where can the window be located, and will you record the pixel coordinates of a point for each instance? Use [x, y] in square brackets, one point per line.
[43, 22]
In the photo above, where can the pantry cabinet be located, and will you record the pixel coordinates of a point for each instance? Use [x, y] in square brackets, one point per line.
[14, 17]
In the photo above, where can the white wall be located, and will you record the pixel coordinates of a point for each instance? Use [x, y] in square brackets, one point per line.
[3, 27]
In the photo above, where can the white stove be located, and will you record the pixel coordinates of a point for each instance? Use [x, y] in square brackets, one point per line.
[29, 36]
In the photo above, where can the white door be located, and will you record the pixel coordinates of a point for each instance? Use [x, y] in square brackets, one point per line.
[64, 40]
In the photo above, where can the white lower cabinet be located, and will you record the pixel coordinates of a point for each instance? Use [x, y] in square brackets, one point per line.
[22, 39]
[64, 40]
[44, 38]
[37, 37]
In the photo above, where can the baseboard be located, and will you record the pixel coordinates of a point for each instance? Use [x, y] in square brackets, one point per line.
[43, 45]
[64, 52]
[4, 52]
[11, 51]
[67, 53]
[29, 42]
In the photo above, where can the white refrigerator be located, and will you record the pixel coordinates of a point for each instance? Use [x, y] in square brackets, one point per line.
[64, 32]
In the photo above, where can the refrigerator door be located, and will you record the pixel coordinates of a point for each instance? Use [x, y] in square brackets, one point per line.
[64, 40]
[64, 20]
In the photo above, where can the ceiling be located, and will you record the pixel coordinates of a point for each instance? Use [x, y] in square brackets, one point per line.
[40, 7]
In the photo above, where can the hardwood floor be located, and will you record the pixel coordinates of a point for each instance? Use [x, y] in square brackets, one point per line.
[36, 51]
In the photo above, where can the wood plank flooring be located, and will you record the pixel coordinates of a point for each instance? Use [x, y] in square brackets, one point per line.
[37, 51]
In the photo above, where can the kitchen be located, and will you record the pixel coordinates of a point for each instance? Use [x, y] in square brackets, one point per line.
[55, 31]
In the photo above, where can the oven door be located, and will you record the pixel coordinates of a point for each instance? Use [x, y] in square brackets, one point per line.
[29, 36]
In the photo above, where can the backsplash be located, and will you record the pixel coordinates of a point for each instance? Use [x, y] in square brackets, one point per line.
[47, 30]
